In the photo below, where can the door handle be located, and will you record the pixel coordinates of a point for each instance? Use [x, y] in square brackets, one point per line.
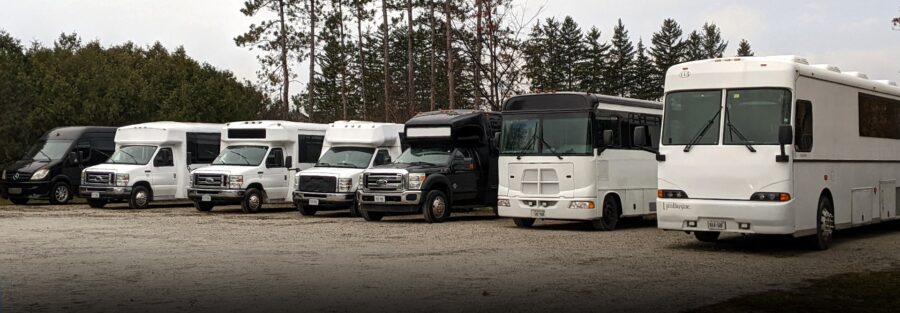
[147, 171]
[260, 173]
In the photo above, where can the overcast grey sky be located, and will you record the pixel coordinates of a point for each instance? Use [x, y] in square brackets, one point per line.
[855, 35]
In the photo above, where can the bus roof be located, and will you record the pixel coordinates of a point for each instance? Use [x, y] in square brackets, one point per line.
[571, 101]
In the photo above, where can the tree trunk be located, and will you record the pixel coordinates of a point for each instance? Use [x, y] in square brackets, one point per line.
[410, 70]
[343, 62]
[387, 69]
[362, 59]
[312, 58]
[451, 97]
[433, 52]
[476, 61]
[285, 75]
[494, 68]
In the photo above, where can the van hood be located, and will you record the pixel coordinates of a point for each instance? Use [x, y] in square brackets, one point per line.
[28, 166]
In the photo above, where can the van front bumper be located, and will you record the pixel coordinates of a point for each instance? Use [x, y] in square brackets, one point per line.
[30, 190]
[216, 195]
[549, 208]
[104, 192]
[758, 217]
[337, 199]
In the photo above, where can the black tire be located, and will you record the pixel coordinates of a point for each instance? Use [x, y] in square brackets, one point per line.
[140, 197]
[824, 225]
[436, 208]
[60, 193]
[252, 202]
[306, 210]
[610, 216]
[354, 209]
[707, 236]
[96, 203]
[370, 216]
[524, 222]
[19, 201]
[203, 206]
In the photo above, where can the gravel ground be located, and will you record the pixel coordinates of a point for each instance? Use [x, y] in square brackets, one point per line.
[173, 258]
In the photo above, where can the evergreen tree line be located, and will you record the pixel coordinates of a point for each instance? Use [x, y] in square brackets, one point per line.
[75, 83]
[386, 60]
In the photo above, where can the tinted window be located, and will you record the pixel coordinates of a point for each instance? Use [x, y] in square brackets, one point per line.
[688, 113]
[752, 116]
[803, 126]
[203, 147]
[83, 149]
[309, 148]
[275, 158]
[164, 158]
[879, 117]
[383, 157]
[247, 133]
[48, 150]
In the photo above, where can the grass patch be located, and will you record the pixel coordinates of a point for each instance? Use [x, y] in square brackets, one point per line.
[871, 292]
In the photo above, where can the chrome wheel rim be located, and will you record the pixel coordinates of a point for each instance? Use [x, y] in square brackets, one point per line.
[61, 193]
[438, 207]
[826, 223]
[253, 202]
[140, 199]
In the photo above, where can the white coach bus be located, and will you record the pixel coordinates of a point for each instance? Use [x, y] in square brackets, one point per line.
[579, 157]
[773, 145]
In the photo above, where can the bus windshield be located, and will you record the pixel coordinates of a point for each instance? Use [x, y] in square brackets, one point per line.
[755, 115]
[46, 151]
[139, 155]
[349, 157]
[241, 156]
[690, 115]
[546, 134]
[426, 156]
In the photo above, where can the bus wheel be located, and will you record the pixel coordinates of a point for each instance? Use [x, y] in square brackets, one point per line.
[354, 209]
[19, 201]
[252, 201]
[436, 209]
[306, 210]
[610, 216]
[96, 203]
[370, 216]
[203, 206]
[140, 198]
[824, 225]
[707, 236]
[524, 222]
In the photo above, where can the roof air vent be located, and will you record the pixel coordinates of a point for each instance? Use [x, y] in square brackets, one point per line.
[857, 75]
[828, 67]
[887, 82]
[792, 58]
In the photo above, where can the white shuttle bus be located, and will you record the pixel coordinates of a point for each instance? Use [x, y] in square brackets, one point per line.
[350, 148]
[257, 164]
[773, 145]
[579, 157]
[152, 162]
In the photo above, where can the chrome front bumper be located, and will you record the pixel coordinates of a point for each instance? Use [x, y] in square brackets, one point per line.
[104, 192]
[407, 197]
[336, 198]
[197, 194]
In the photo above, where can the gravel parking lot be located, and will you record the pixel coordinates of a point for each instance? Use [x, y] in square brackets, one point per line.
[171, 257]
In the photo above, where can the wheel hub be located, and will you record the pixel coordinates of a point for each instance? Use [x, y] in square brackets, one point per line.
[438, 206]
[140, 198]
[61, 193]
[827, 219]
[254, 201]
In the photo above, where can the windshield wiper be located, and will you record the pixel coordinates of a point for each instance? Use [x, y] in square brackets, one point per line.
[323, 164]
[130, 155]
[246, 160]
[702, 131]
[49, 159]
[548, 145]
[735, 131]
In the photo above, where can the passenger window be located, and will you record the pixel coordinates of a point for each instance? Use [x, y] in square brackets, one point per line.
[164, 158]
[310, 148]
[382, 158]
[83, 149]
[803, 126]
[276, 158]
[609, 123]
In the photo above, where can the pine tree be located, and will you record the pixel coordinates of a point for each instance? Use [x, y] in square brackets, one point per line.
[590, 70]
[553, 77]
[571, 47]
[534, 55]
[645, 84]
[387, 103]
[620, 72]
[313, 11]
[713, 45]
[693, 47]
[744, 49]
[666, 52]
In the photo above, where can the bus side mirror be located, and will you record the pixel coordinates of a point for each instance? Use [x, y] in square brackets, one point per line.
[640, 136]
[785, 137]
[607, 137]
[288, 161]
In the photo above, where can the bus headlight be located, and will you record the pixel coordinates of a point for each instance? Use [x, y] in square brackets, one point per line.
[414, 180]
[296, 182]
[771, 196]
[4, 175]
[345, 184]
[581, 205]
[235, 181]
[122, 179]
[503, 202]
[40, 174]
[671, 194]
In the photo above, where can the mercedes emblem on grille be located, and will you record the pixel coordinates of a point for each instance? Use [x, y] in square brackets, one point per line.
[16, 177]
[381, 182]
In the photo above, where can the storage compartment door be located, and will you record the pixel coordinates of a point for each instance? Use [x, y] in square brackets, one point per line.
[887, 193]
[862, 203]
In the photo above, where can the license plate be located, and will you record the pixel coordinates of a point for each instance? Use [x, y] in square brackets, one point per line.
[207, 198]
[95, 195]
[313, 201]
[15, 191]
[379, 199]
[716, 225]
[537, 213]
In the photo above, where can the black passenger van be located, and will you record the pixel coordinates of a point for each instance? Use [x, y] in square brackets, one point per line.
[51, 169]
